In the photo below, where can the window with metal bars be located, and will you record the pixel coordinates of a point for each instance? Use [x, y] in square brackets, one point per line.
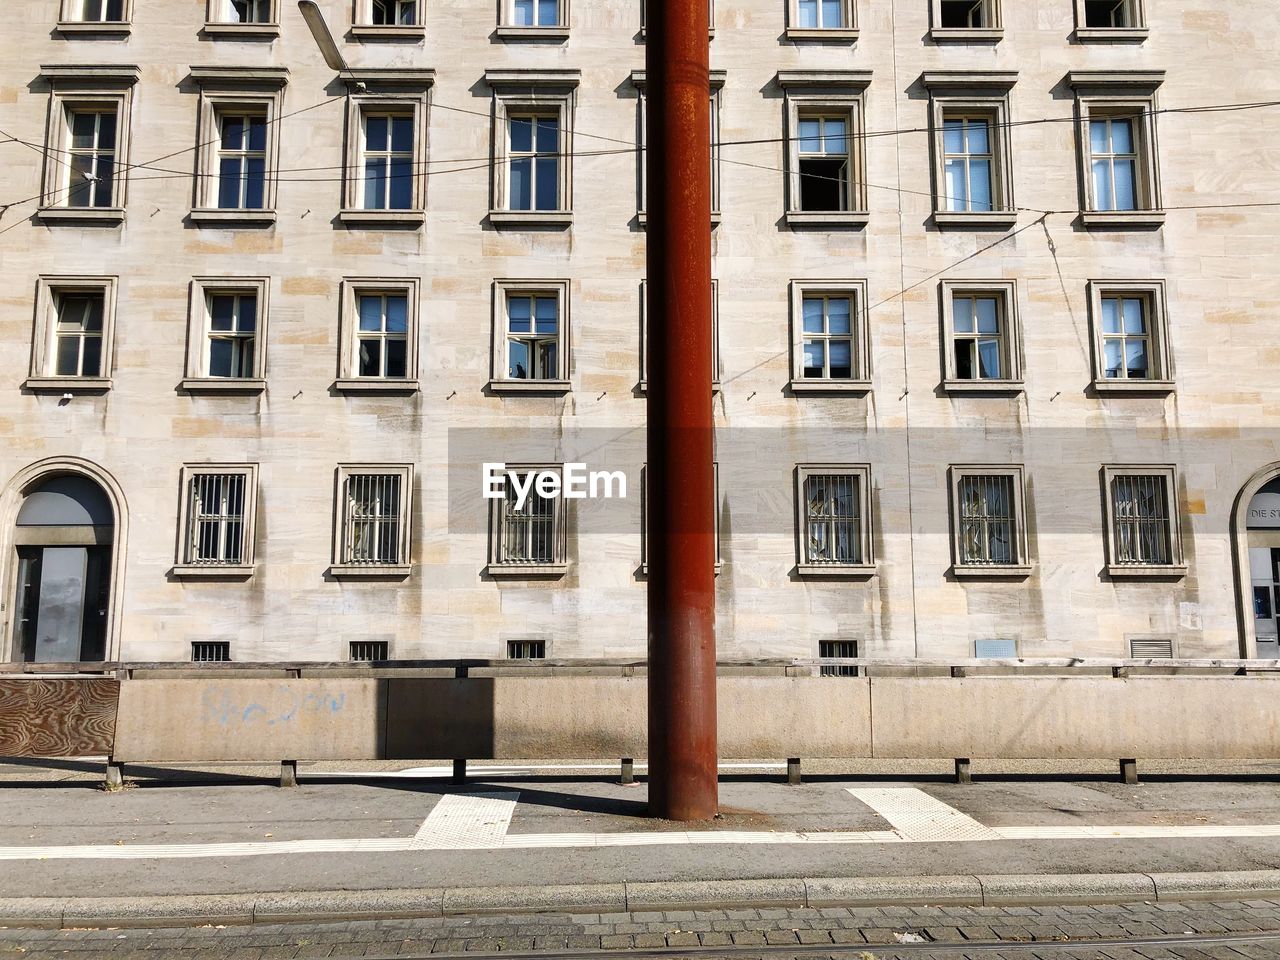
[78, 334]
[835, 649]
[242, 161]
[394, 12]
[372, 519]
[91, 146]
[370, 651]
[833, 515]
[526, 649]
[211, 651]
[527, 532]
[987, 520]
[216, 519]
[1141, 520]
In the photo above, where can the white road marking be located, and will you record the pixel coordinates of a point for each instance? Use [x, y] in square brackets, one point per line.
[462, 821]
[918, 817]
[474, 771]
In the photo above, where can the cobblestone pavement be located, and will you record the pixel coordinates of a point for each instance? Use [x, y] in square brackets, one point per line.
[858, 933]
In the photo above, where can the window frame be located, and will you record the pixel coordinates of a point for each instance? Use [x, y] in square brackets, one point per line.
[91, 88]
[197, 378]
[829, 92]
[386, 92]
[973, 94]
[1129, 95]
[1006, 292]
[860, 382]
[233, 29]
[343, 569]
[717, 367]
[499, 381]
[1159, 352]
[71, 23]
[48, 290]
[845, 33]
[348, 380]
[517, 92]
[184, 567]
[638, 80]
[500, 568]
[508, 30]
[867, 566]
[941, 34]
[1087, 34]
[1023, 565]
[363, 27]
[231, 91]
[1176, 569]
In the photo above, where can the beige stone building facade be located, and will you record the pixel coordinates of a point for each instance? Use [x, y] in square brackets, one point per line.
[996, 298]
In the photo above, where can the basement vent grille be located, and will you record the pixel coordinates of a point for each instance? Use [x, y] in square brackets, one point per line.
[838, 648]
[370, 651]
[211, 651]
[526, 649]
[1151, 649]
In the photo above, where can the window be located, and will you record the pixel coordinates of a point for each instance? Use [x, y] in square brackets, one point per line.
[532, 147]
[211, 651]
[379, 345]
[1111, 20]
[386, 13]
[828, 337]
[527, 532]
[1143, 536]
[838, 650]
[834, 520]
[386, 152]
[227, 334]
[239, 138]
[644, 518]
[644, 335]
[1118, 168]
[1131, 344]
[981, 336]
[534, 19]
[822, 20]
[966, 20]
[826, 154]
[372, 521]
[219, 504]
[531, 336]
[988, 522]
[95, 16]
[369, 651]
[969, 112]
[87, 143]
[75, 318]
[995, 649]
[242, 17]
[717, 84]
[388, 20]
[526, 649]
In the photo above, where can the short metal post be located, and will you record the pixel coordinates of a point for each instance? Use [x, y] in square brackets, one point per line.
[793, 771]
[459, 771]
[959, 673]
[964, 770]
[115, 775]
[628, 771]
[288, 773]
[1129, 772]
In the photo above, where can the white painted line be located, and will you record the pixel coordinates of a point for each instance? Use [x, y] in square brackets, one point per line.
[1139, 831]
[462, 821]
[434, 773]
[920, 818]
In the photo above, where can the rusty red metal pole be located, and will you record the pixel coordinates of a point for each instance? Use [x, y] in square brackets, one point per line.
[680, 479]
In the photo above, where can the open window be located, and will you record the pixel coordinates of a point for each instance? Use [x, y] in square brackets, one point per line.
[966, 20]
[531, 341]
[826, 184]
[1113, 20]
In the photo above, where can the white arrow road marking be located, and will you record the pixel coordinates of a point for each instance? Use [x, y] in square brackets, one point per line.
[918, 817]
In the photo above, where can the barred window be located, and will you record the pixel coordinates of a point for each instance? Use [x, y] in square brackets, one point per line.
[527, 534]
[833, 513]
[373, 518]
[987, 521]
[1141, 520]
[526, 649]
[370, 651]
[835, 649]
[211, 651]
[217, 518]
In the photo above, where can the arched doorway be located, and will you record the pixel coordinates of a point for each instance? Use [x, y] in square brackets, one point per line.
[1262, 531]
[65, 531]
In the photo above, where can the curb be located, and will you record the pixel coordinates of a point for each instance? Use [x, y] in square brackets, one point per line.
[340, 905]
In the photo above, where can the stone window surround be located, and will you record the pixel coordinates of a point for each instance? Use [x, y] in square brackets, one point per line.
[546, 91]
[197, 379]
[1130, 93]
[90, 86]
[397, 571]
[848, 33]
[349, 381]
[1023, 566]
[718, 78]
[940, 34]
[1006, 292]
[559, 566]
[973, 92]
[1160, 356]
[234, 30]
[1131, 571]
[208, 571]
[40, 378]
[867, 567]
[499, 382]
[228, 89]
[837, 91]
[856, 290]
[69, 21]
[1088, 34]
[717, 369]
